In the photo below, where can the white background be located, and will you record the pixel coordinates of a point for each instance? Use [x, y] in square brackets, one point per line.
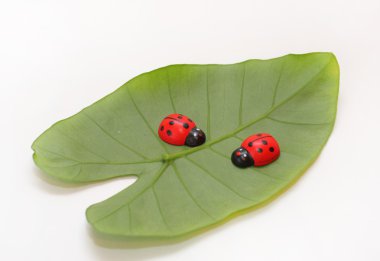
[57, 57]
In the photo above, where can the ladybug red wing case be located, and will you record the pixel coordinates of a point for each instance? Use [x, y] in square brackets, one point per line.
[257, 150]
[178, 129]
[262, 147]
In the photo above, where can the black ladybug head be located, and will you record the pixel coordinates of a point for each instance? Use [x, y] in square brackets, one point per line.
[241, 158]
[195, 138]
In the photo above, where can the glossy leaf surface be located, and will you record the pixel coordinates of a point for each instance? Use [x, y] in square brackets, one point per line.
[181, 189]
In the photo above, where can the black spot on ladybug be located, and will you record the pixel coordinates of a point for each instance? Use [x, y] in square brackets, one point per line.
[180, 117]
[169, 132]
[259, 134]
[186, 126]
[264, 142]
[189, 119]
[259, 150]
[162, 128]
[271, 149]
[250, 144]
[171, 122]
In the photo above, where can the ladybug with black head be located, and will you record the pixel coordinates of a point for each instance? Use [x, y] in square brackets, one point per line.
[178, 129]
[256, 150]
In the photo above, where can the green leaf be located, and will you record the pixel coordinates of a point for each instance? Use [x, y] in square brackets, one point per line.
[181, 189]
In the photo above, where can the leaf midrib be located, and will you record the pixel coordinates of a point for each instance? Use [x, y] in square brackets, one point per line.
[173, 156]
[169, 157]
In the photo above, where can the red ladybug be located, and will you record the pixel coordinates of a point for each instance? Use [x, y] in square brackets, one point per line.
[178, 129]
[256, 150]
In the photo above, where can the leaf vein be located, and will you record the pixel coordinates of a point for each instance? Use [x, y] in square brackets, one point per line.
[85, 147]
[267, 175]
[99, 163]
[169, 90]
[219, 181]
[112, 137]
[297, 123]
[277, 84]
[145, 120]
[219, 153]
[159, 208]
[189, 193]
[208, 106]
[242, 96]
[154, 180]
[78, 174]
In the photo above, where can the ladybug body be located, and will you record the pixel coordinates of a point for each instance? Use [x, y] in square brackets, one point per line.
[257, 150]
[178, 129]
